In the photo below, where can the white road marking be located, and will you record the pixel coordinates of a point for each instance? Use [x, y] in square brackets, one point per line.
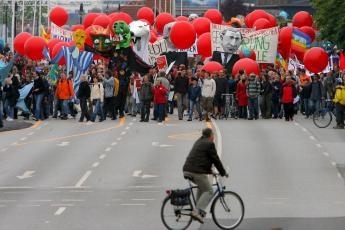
[26, 174]
[72, 200]
[40, 200]
[144, 186]
[31, 133]
[23, 138]
[128, 127]
[123, 133]
[133, 204]
[296, 124]
[114, 200]
[114, 143]
[155, 143]
[83, 179]
[131, 123]
[62, 205]
[312, 138]
[14, 143]
[148, 176]
[340, 176]
[102, 156]
[4, 149]
[47, 222]
[142, 199]
[319, 145]
[64, 143]
[119, 139]
[95, 165]
[7, 201]
[219, 139]
[28, 205]
[107, 149]
[137, 173]
[333, 163]
[304, 130]
[60, 211]
[326, 154]
[6, 188]
[165, 146]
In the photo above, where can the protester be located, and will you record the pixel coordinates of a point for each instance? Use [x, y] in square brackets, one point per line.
[108, 84]
[316, 95]
[339, 101]
[266, 94]
[181, 90]
[1, 106]
[253, 92]
[11, 97]
[208, 91]
[97, 98]
[146, 97]
[64, 92]
[83, 96]
[159, 92]
[194, 95]
[288, 94]
[276, 100]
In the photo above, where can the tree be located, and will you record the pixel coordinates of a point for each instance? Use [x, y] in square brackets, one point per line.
[232, 8]
[330, 18]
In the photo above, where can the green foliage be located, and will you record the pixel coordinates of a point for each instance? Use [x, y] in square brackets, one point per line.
[330, 18]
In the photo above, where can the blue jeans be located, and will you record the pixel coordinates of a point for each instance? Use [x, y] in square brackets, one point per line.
[191, 108]
[38, 106]
[64, 108]
[1, 111]
[9, 109]
[253, 105]
[306, 106]
[98, 110]
[159, 109]
[314, 106]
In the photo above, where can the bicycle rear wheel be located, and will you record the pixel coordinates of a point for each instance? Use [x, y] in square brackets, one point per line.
[322, 118]
[175, 217]
[227, 210]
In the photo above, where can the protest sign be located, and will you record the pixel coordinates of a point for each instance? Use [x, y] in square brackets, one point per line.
[60, 33]
[162, 63]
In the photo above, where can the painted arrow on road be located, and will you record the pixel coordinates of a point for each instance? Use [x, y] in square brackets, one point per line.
[64, 143]
[26, 175]
[156, 144]
[139, 173]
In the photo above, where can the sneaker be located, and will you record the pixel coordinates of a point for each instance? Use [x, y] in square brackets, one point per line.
[141, 120]
[9, 119]
[189, 119]
[338, 127]
[196, 216]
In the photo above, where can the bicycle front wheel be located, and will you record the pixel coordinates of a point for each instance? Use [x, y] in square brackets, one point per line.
[323, 118]
[176, 217]
[227, 210]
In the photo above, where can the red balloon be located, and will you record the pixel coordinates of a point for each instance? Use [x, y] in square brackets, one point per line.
[58, 16]
[212, 67]
[214, 15]
[89, 18]
[113, 14]
[147, 14]
[182, 35]
[34, 48]
[77, 27]
[102, 20]
[308, 30]
[201, 25]
[57, 49]
[153, 37]
[272, 20]
[261, 23]
[51, 45]
[246, 64]
[285, 35]
[120, 16]
[163, 19]
[204, 45]
[255, 15]
[182, 18]
[301, 19]
[19, 42]
[315, 59]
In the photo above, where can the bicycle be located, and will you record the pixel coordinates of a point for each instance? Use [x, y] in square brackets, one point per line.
[227, 208]
[324, 116]
[230, 108]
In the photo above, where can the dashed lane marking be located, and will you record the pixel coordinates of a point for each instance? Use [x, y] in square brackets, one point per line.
[123, 133]
[102, 156]
[326, 154]
[31, 133]
[59, 211]
[107, 149]
[4, 149]
[23, 138]
[83, 179]
[95, 165]
[127, 128]
[114, 143]
[134, 199]
[312, 138]
[133, 204]
[319, 145]
[119, 138]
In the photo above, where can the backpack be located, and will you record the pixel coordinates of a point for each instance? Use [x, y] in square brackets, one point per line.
[180, 197]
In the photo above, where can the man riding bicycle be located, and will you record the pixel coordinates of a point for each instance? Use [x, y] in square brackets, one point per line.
[198, 166]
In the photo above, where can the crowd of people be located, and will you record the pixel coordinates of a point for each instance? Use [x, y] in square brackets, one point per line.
[190, 92]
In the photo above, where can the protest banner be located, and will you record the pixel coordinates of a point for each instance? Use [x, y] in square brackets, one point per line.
[60, 33]
[263, 42]
[162, 63]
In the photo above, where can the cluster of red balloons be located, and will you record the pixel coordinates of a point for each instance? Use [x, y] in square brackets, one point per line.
[260, 19]
[31, 46]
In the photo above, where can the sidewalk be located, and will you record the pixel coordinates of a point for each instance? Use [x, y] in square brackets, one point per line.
[15, 125]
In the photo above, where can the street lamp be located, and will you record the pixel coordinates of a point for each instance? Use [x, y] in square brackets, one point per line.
[81, 12]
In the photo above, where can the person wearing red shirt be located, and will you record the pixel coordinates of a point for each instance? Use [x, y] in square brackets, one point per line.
[288, 94]
[159, 99]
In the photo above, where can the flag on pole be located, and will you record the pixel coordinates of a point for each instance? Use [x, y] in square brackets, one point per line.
[300, 41]
[342, 61]
[281, 61]
[23, 93]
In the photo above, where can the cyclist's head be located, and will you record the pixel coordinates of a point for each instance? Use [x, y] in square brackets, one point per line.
[208, 133]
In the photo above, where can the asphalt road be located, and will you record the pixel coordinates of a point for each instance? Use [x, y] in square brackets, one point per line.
[113, 175]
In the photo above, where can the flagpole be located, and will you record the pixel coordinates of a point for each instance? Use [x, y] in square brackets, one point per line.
[159, 5]
[181, 7]
[23, 15]
[34, 20]
[13, 22]
[165, 5]
[40, 17]
[155, 7]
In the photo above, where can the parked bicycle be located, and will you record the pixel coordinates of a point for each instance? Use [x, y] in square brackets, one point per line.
[227, 207]
[324, 116]
[230, 108]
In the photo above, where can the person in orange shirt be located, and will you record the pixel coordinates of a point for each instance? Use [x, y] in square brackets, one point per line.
[304, 80]
[64, 92]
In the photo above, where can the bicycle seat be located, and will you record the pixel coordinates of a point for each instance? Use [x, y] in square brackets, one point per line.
[187, 177]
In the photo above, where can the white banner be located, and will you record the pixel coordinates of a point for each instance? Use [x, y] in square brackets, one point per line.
[60, 33]
[263, 42]
[161, 46]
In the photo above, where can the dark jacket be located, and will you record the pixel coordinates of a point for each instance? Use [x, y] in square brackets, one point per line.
[217, 56]
[306, 91]
[39, 84]
[266, 88]
[276, 89]
[181, 84]
[194, 93]
[146, 92]
[201, 158]
[221, 85]
[84, 90]
[11, 94]
[317, 90]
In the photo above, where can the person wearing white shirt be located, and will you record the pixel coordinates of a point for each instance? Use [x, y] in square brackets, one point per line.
[97, 98]
[208, 91]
